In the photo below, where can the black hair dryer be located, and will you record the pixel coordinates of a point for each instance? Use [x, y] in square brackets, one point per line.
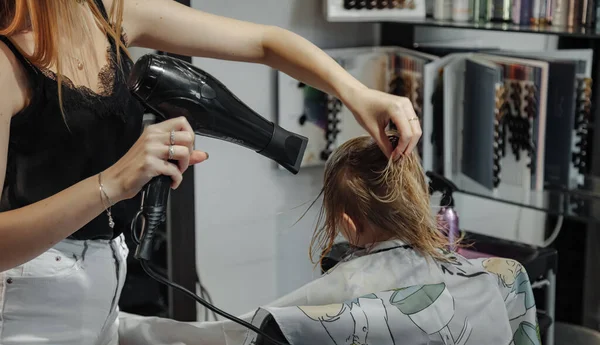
[170, 88]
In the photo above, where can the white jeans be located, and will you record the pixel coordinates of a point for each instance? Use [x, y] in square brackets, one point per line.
[67, 296]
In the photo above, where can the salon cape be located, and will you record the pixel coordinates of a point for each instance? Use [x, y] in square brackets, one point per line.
[389, 296]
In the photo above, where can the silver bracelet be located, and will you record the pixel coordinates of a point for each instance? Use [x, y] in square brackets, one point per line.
[103, 195]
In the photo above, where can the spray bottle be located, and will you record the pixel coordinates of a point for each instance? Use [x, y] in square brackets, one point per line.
[447, 217]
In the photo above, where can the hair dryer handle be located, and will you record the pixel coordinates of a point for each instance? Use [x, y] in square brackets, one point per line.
[154, 210]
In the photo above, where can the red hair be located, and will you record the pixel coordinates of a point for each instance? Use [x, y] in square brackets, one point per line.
[42, 17]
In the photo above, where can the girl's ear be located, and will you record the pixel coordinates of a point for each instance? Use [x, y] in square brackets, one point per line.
[349, 223]
[349, 227]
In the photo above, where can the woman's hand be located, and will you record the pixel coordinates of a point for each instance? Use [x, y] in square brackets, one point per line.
[171, 140]
[375, 109]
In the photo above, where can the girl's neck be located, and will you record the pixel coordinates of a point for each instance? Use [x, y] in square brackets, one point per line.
[370, 237]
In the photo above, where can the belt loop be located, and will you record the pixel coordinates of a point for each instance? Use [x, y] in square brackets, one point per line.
[123, 242]
[85, 248]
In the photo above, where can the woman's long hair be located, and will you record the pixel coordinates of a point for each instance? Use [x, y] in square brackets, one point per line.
[51, 19]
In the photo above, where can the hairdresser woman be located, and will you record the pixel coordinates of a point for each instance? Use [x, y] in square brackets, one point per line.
[73, 156]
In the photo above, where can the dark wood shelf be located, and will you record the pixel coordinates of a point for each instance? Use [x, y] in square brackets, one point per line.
[581, 203]
[581, 32]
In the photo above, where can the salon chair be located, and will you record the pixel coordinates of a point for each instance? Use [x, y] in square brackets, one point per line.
[567, 334]
[270, 328]
[540, 263]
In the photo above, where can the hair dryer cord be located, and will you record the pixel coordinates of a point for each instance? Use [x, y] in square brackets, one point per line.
[156, 276]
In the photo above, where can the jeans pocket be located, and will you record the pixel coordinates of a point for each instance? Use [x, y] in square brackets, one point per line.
[58, 298]
[53, 263]
[49, 306]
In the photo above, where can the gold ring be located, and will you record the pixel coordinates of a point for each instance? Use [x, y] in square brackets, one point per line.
[414, 119]
[171, 152]
[172, 137]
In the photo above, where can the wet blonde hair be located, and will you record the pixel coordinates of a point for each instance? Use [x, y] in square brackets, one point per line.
[388, 197]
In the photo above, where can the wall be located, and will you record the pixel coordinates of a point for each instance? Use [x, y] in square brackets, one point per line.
[137, 53]
[248, 252]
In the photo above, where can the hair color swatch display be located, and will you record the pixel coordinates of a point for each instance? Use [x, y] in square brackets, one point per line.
[364, 10]
[499, 123]
[582, 123]
[377, 4]
[323, 118]
[481, 110]
[407, 81]
[501, 111]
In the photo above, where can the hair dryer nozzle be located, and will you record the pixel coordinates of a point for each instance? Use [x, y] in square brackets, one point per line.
[286, 148]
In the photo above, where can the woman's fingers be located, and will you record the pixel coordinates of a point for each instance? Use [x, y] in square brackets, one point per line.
[183, 157]
[181, 154]
[169, 169]
[400, 119]
[408, 126]
[380, 135]
[179, 124]
[198, 157]
[178, 138]
[175, 124]
[176, 135]
[188, 129]
[415, 126]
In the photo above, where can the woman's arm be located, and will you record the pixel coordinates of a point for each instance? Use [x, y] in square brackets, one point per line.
[181, 30]
[27, 232]
[169, 26]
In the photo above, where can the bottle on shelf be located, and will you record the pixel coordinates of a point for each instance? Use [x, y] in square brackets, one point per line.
[549, 7]
[477, 8]
[560, 13]
[588, 13]
[538, 15]
[574, 13]
[381, 4]
[442, 10]
[499, 11]
[429, 5]
[597, 26]
[460, 11]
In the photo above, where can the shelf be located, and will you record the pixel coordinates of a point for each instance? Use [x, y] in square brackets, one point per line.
[582, 32]
[538, 261]
[581, 203]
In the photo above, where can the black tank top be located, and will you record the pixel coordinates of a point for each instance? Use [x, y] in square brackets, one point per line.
[45, 156]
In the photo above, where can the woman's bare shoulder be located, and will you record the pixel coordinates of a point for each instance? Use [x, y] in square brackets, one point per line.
[13, 82]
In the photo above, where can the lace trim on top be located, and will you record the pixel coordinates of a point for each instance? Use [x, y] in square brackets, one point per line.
[106, 75]
[106, 78]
